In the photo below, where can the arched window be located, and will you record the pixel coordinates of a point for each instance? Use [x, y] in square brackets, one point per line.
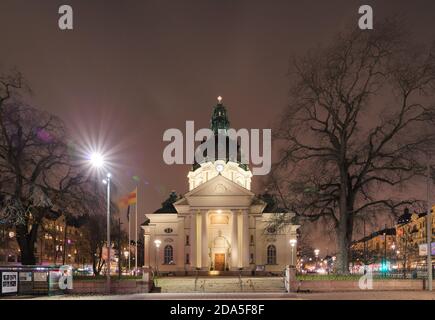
[168, 255]
[271, 254]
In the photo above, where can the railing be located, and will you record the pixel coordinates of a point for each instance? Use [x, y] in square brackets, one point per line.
[196, 280]
[251, 284]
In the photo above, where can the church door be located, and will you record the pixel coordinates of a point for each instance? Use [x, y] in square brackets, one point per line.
[219, 261]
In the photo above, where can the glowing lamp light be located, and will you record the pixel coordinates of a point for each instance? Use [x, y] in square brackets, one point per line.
[97, 160]
[293, 242]
[157, 243]
[219, 167]
[219, 99]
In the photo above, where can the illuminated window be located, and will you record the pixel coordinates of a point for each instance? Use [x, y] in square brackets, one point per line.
[271, 254]
[219, 219]
[168, 255]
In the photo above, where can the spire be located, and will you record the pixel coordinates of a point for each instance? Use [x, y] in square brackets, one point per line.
[219, 119]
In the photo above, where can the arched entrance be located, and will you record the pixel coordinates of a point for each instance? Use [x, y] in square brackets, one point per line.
[220, 253]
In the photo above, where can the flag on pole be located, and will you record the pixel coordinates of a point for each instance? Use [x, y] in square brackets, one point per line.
[123, 202]
[132, 197]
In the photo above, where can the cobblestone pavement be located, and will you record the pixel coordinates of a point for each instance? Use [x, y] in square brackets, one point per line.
[356, 295]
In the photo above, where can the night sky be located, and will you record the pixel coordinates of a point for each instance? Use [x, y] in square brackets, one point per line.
[131, 69]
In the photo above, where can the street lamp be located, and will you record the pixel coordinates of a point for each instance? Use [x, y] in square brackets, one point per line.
[97, 161]
[107, 182]
[293, 245]
[157, 243]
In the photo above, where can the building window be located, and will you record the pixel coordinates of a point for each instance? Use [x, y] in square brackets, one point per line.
[169, 230]
[168, 255]
[271, 254]
[252, 239]
[187, 240]
[187, 258]
[251, 260]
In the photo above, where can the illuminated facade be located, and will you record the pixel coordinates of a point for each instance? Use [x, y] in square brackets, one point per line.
[219, 225]
[57, 243]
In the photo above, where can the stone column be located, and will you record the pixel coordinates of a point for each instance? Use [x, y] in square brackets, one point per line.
[147, 241]
[198, 239]
[193, 240]
[204, 242]
[234, 241]
[245, 237]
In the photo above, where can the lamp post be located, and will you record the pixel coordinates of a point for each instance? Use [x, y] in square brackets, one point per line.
[293, 245]
[97, 161]
[429, 229]
[393, 254]
[107, 182]
[157, 243]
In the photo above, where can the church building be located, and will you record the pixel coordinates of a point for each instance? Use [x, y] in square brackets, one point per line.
[219, 226]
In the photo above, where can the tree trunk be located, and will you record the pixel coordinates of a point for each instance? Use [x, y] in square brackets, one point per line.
[26, 241]
[345, 224]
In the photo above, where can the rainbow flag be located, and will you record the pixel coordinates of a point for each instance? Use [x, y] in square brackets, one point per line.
[132, 197]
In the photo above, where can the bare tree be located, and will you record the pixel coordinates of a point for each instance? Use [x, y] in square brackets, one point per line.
[357, 127]
[39, 174]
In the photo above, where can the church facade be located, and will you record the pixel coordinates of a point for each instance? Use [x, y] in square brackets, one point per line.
[219, 226]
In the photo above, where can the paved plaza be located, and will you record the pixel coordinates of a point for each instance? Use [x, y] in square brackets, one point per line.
[354, 295]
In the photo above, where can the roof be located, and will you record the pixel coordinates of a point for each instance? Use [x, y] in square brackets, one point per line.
[387, 231]
[168, 204]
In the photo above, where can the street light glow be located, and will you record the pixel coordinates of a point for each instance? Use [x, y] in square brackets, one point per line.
[157, 243]
[293, 242]
[97, 160]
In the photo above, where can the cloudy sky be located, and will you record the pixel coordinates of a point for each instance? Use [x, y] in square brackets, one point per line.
[132, 69]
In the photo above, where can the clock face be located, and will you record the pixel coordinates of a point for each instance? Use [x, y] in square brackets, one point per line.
[219, 167]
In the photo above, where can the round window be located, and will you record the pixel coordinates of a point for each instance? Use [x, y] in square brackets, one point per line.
[271, 230]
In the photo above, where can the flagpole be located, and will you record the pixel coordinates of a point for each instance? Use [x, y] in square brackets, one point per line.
[129, 242]
[135, 233]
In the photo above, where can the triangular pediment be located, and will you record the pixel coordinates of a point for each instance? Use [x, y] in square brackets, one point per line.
[217, 192]
[219, 186]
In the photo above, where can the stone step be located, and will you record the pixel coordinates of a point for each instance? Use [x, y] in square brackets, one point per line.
[220, 284]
